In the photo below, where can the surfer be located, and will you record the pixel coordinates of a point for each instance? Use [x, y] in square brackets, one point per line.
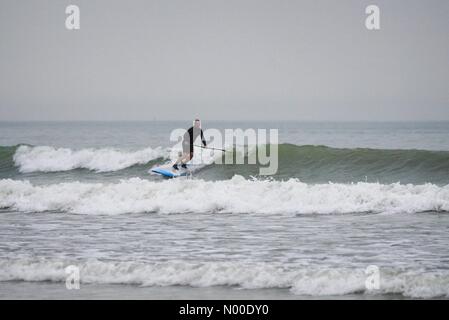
[187, 144]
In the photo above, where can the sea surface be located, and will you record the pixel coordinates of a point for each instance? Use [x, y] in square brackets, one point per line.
[346, 199]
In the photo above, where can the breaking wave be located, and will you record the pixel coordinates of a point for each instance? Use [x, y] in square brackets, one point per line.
[313, 164]
[237, 195]
[317, 281]
[50, 159]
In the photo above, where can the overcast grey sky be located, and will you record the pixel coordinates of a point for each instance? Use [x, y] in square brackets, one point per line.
[228, 59]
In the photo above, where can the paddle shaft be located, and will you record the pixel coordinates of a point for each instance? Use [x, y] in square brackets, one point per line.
[210, 148]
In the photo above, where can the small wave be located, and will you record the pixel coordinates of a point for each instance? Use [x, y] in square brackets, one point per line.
[50, 159]
[237, 195]
[316, 281]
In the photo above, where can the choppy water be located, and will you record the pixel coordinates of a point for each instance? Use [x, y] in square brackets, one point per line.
[346, 196]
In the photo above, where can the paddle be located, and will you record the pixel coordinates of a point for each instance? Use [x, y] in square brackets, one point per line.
[210, 148]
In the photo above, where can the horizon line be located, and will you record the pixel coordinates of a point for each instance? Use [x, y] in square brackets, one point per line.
[229, 120]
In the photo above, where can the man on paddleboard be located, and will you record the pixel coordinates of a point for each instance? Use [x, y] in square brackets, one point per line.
[187, 144]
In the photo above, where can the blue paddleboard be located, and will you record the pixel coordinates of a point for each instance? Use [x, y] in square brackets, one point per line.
[168, 171]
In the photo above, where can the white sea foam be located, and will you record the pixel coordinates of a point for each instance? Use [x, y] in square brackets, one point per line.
[50, 159]
[301, 281]
[236, 195]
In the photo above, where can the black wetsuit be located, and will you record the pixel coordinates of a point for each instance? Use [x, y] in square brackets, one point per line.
[189, 137]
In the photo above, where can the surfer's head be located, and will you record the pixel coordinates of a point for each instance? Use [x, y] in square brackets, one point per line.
[197, 123]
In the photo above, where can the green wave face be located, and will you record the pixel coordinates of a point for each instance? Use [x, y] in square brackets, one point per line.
[347, 165]
[7, 167]
[321, 164]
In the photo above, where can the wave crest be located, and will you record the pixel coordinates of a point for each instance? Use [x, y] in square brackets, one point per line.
[50, 159]
[300, 280]
[236, 195]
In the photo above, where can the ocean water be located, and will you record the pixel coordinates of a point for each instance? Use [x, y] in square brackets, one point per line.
[346, 196]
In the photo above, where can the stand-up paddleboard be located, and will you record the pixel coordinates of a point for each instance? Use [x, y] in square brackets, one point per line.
[168, 171]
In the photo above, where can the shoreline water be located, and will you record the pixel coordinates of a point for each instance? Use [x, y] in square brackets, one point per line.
[22, 290]
[149, 255]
